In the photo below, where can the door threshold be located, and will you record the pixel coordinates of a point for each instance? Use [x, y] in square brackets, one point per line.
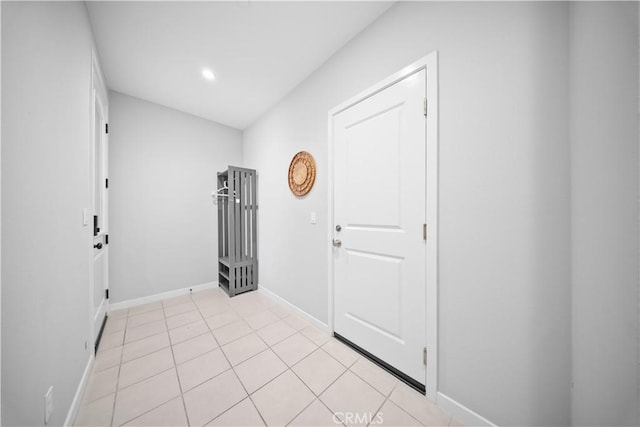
[420, 388]
[104, 323]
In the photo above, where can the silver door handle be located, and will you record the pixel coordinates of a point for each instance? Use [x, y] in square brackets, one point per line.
[337, 243]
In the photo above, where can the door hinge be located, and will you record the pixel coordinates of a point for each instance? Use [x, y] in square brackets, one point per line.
[424, 231]
[106, 127]
[425, 106]
[424, 355]
[106, 293]
[106, 183]
[106, 239]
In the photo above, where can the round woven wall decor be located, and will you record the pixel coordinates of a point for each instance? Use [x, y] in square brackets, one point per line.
[302, 173]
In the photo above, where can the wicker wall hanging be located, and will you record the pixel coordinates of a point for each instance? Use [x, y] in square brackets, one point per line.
[302, 173]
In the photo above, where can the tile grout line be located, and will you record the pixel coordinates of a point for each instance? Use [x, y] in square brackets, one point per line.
[144, 355]
[210, 351]
[149, 377]
[156, 374]
[305, 357]
[403, 409]
[269, 347]
[130, 314]
[347, 369]
[237, 378]
[378, 410]
[317, 396]
[280, 340]
[229, 324]
[153, 408]
[115, 395]
[86, 402]
[332, 382]
[369, 383]
[328, 409]
[166, 330]
[386, 398]
[250, 357]
[266, 324]
[93, 372]
[303, 409]
[119, 365]
[164, 316]
[197, 355]
[230, 364]
[146, 336]
[175, 365]
[243, 318]
[186, 339]
[290, 368]
[253, 331]
[166, 370]
[346, 366]
[327, 388]
[233, 406]
[146, 321]
[263, 385]
[137, 382]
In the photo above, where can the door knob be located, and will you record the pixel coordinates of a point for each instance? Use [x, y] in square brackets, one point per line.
[337, 243]
[98, 246]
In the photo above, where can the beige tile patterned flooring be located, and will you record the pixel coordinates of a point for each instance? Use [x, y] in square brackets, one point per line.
[207, 359]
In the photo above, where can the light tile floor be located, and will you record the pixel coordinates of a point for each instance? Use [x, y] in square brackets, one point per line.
[207, 359]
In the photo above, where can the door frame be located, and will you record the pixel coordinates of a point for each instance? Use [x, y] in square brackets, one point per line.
[430, 64]
[98, 89]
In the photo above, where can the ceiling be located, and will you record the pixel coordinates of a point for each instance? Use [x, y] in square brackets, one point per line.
[258, 51]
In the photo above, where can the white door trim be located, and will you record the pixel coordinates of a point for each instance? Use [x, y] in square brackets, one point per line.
[98, 90]
[429, 63]
[0, 223]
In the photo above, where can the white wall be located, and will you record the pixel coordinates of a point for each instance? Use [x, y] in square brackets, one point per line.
[604, 202]
[163, 165]
[504, 194]
[0, 215]
[46, 256]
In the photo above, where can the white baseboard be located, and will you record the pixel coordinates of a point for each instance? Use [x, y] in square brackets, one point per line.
[460, 412]
[158, 297]
[317, 323]
[77, 399]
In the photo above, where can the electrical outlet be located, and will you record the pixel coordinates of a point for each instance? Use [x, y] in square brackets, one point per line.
[48, 405]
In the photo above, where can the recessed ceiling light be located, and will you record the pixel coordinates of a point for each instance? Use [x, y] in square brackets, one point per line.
[208, 74]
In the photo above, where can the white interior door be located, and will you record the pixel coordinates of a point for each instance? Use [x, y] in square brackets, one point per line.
[379, 214]
[100, 224]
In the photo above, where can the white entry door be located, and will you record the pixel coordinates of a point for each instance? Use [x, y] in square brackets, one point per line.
[379, 216]
[100, 221]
